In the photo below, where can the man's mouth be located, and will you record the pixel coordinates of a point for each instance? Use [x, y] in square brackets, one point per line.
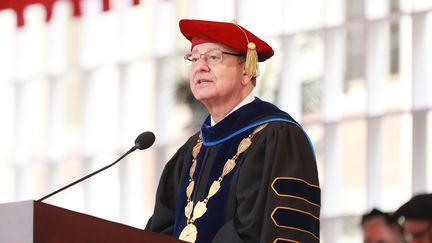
[200, 81]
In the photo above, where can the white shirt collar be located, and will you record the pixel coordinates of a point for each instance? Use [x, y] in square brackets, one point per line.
[245, 101]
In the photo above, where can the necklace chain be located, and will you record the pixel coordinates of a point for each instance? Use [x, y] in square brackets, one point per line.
[194, 212]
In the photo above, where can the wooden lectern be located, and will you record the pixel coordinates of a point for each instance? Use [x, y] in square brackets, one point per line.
[37, 222]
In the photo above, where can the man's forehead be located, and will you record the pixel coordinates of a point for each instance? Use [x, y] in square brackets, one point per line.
[208, 46]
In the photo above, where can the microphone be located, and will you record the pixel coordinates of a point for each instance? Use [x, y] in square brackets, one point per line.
[143, 141]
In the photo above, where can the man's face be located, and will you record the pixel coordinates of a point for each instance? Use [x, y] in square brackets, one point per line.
[418, 231]
[216, 84]
[377, 231]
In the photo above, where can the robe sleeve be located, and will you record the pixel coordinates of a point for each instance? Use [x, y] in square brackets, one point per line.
[277, 194]
[162, 220]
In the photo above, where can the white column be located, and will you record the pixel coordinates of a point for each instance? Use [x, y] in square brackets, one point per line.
[377, 71]
[405, 5]
[406, 91]
[165, 28]
[333, 78]
[420, 101]
[330, 200]
[331, 99]
[334, 12]
[290, 91]
[419, 170]
[420, 62]
[374, 182]
[377, 8]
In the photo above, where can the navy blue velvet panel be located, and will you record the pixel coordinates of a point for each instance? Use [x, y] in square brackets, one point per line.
[297, 188]
[297, 220]
[214, 218]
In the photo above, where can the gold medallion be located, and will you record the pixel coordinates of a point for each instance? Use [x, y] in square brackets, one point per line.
[189, 233]
[189, 209]
[199, 210]
[213, 189]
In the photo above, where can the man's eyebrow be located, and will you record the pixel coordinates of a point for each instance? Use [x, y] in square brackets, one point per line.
[210, 49]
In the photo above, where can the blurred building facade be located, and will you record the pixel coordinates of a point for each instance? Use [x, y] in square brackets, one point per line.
[76, 91]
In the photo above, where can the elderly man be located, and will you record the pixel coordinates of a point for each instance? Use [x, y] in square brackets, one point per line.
[249, 174]
[416, 215]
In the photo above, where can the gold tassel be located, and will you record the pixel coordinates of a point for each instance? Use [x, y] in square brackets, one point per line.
[251, 65]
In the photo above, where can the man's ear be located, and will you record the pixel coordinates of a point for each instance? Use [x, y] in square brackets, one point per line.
[246, 79]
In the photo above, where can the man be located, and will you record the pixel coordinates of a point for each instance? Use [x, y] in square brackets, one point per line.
[380, 227]
[417, 218]
[249, 174]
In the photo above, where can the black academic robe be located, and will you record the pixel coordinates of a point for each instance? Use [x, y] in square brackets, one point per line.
[272, 194]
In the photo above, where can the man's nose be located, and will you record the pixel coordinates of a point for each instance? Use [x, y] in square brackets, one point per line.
[202, 64]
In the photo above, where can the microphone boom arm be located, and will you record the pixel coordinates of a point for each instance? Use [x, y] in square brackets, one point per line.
[87, 176]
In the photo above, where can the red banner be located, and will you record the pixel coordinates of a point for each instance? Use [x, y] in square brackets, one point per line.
[20, 5]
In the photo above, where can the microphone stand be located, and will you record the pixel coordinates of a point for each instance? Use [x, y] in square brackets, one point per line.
[87, 176]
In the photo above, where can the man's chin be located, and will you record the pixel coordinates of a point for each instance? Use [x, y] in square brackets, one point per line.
[202, 96]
